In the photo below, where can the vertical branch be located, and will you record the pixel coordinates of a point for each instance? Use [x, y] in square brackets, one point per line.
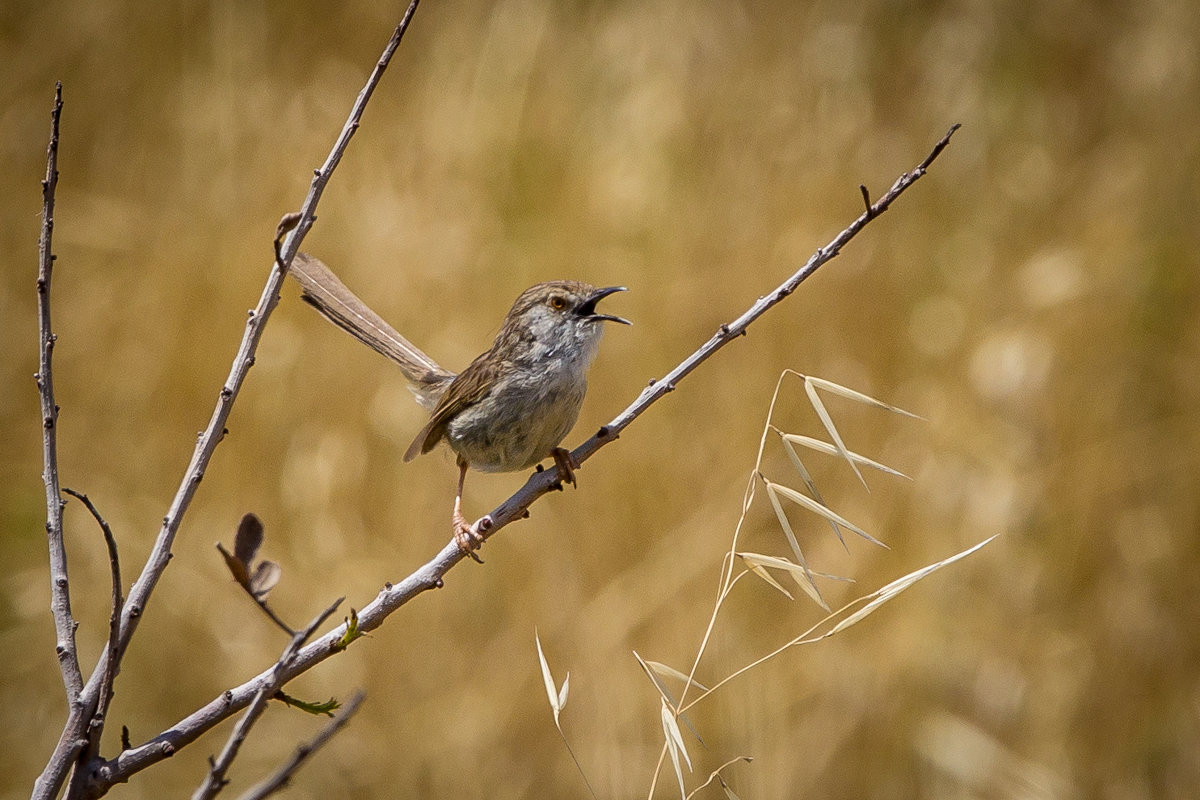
[90, 746]
[54, 773]
[60, 592]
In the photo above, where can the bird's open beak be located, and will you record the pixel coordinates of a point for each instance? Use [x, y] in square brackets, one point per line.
[588, 309]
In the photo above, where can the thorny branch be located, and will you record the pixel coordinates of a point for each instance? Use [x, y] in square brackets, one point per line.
[72, 740]
[541, 483]
[280, 778]
[430, 575]
[91, 746]
[84, 701]
[215, 780]
[60, 592]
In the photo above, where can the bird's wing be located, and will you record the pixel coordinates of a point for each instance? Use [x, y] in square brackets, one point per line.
[468, 388]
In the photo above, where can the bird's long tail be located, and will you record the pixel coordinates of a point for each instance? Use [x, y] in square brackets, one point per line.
[324, 292]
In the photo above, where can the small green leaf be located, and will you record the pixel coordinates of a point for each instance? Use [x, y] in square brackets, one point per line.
[326, 707]
[352, 632]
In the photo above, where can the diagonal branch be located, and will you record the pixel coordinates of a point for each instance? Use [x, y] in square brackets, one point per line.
[280, 778]
[515, 507]
[60, 591]
[429, 576]
[53, 775]
[212, 435]
[215, 781]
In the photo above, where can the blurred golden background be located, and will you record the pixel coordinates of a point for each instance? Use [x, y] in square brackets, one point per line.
[1035, 298]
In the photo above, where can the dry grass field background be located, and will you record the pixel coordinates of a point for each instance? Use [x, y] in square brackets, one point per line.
[1034, 298]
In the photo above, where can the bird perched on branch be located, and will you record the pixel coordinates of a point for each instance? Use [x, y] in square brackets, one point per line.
[513, 405]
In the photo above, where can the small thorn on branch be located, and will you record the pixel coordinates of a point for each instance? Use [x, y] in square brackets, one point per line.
[866, 195]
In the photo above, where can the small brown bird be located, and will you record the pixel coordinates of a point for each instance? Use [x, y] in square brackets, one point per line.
[513, 405]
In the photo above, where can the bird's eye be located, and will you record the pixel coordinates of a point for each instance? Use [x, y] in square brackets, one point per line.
[558, 302]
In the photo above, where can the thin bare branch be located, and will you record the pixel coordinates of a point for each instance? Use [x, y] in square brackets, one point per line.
[215, 432]
[95, 728]
[279, 780]
[60, 593]
[540, 483]
[71, 739]
[430, 575]
[52, 777]
[215, 780]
